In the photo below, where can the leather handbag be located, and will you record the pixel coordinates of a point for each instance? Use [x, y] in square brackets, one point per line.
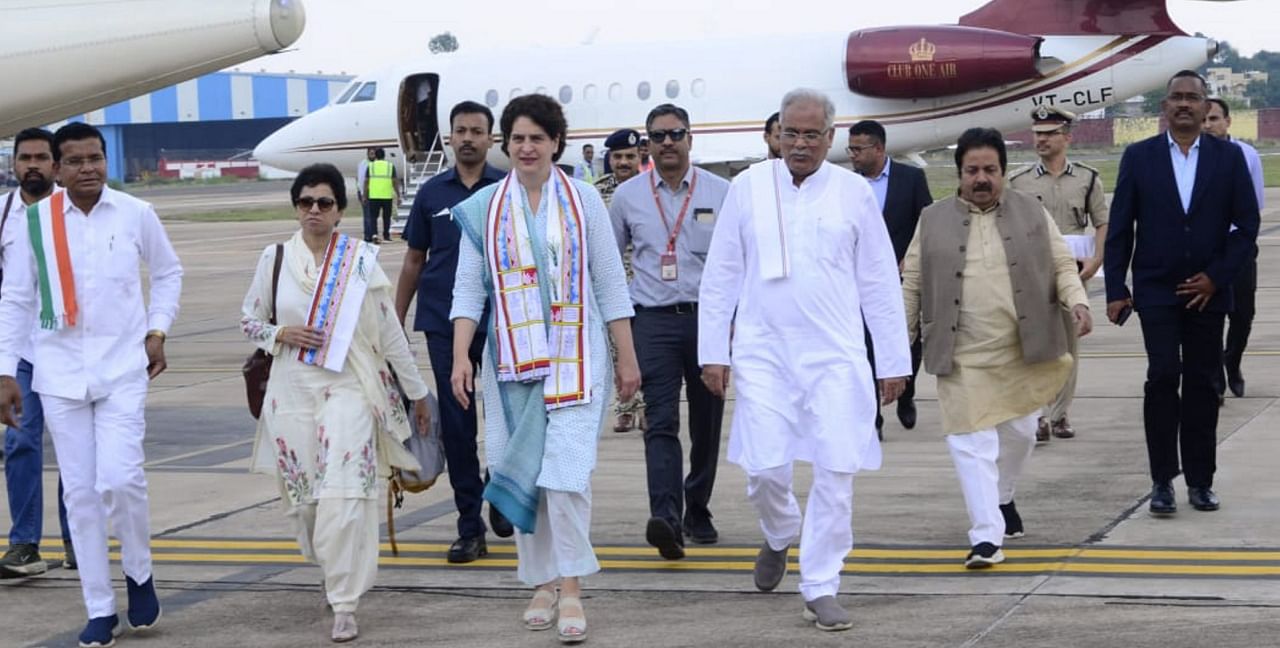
[257, 369]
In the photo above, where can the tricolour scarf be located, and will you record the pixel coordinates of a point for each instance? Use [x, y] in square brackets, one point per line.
[46, 222]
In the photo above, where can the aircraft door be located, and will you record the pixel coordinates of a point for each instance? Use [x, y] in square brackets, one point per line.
[417, 116]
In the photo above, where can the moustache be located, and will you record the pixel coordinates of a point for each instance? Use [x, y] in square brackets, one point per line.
[982, 186]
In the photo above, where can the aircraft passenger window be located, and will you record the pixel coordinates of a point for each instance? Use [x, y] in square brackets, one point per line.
[346, 94]
[698, 88]
[642, 91]
[368, 92]
[589, 93]
[673, 89]
[615, 92]
[566, 94]
[491, 98]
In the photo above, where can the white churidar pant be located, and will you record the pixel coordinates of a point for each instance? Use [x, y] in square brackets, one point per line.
[560, 546]
[100, 457]
[825, 530]
[341, 535]
[989, 463]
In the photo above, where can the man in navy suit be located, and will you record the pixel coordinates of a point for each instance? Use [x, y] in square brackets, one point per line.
[1190, 196]
[903, 192]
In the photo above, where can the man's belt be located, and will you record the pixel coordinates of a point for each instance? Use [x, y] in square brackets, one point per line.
[682, 308]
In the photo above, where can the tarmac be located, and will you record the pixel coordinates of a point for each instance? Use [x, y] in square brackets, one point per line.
[1094, 569]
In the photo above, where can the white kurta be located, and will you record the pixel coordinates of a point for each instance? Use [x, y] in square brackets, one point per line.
[799, 359]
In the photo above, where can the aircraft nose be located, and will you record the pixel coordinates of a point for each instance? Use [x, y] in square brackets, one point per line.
[274, 150]
[287, 19]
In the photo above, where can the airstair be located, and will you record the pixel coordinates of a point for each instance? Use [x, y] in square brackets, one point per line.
[416, 175]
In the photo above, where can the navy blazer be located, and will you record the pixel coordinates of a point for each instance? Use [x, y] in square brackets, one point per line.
[905, 197]
[1172, 245]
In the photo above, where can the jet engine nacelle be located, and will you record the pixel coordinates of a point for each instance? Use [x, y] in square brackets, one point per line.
[926, 62]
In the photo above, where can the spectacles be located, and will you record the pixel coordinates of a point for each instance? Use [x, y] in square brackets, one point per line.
[76, 163]
[305, 203]
[810, 136]
[857, 150]
[660, 136]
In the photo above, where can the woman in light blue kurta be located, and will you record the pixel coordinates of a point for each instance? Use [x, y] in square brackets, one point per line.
[542, 423]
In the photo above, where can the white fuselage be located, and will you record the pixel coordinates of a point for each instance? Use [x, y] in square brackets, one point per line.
[65, 58]
[729, 89]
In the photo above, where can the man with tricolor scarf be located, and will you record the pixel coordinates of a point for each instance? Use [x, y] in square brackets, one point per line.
[75, 272]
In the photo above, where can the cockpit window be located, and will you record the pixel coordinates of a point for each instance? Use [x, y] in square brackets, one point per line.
[368, 92]
[346, 94]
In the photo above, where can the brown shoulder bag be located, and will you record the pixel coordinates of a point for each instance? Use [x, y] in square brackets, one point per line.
[257, 369]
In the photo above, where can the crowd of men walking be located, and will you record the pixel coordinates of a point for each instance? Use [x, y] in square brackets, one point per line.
[820, 290]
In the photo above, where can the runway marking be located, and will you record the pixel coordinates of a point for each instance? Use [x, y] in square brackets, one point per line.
[902, 561]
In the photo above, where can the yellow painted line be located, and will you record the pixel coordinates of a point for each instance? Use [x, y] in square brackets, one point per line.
[747, 566]
[1172, 554]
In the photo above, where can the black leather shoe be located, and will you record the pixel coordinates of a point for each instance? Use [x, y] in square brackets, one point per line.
[907, 412]
[1235, 382]
[1162, 499]
[1202, 498]
[701, 531]
[661, 534]
[465, 550]
[499, 523]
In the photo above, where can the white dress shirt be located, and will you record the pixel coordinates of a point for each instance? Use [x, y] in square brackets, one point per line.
[1184, 169]
[85, 361]
[17, 219]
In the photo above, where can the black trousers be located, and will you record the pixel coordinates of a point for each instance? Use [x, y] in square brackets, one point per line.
[908, 394]
[1240, 320]
[667, 349]
[1183, 350]
[458, 428]
[378, 206]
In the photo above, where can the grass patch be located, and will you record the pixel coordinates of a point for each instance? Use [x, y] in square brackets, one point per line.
[235, 216]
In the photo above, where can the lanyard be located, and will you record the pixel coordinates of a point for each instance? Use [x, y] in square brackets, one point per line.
[684, 209]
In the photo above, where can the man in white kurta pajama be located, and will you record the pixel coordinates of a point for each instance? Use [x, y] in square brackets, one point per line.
[783, 301]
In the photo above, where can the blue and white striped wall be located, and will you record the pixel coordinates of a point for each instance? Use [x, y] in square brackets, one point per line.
[221, 96]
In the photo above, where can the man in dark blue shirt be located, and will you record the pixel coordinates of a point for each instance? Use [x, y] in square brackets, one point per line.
[429, 267]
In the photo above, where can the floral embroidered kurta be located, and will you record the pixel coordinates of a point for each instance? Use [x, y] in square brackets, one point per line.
[323, 433]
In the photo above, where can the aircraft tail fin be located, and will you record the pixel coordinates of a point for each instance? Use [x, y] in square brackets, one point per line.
[1075, 17]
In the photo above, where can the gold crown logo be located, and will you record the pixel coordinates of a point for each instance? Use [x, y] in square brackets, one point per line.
[922, 51]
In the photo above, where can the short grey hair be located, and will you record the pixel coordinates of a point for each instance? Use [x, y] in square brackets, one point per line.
[809, 95]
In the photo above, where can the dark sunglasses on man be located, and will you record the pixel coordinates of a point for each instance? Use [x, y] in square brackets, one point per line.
[660, 136]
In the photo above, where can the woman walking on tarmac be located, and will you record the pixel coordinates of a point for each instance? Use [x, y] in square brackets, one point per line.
[539, 244]
[332, 421]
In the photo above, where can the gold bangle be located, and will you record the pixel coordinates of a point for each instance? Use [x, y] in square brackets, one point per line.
[155, 333]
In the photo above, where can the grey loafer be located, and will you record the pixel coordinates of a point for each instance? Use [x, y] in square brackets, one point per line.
[771, 566]
[827, 614]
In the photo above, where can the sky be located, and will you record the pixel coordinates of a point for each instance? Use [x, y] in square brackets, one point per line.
[345, 37]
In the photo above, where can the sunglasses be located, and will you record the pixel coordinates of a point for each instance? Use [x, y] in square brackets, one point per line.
[305, 203]
[660, 136]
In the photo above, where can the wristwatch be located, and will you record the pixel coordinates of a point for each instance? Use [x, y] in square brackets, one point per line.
[155, 333]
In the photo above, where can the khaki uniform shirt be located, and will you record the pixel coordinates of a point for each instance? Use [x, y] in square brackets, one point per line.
[1067, 197]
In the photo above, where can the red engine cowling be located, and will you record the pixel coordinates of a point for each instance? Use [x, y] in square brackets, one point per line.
[924, 62]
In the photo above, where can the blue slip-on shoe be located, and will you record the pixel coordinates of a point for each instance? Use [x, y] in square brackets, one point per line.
[144, 606]
[100, 632]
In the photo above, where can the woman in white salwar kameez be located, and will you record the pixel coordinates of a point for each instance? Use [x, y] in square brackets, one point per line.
[546, 379]
[331, 435]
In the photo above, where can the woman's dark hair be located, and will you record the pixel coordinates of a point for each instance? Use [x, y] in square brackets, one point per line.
[976, 138]
[541, 110]
[318, 174]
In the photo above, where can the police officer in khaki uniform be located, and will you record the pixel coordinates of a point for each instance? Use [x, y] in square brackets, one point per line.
[1073, 194]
